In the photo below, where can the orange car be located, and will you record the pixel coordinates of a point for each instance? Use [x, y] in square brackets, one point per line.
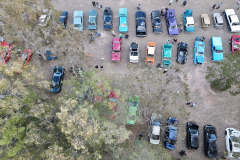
[150, 53]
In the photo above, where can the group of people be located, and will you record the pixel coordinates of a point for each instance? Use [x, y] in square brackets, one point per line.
[184, 2]
[96, 4]
[213, 7]
[191, 103]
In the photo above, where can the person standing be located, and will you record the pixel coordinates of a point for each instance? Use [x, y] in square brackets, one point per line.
[138, 7]
[238, 2]
[93, 3]
[170, 2]
[167, 42]
[140, 136]
[194, 104]
[219, 5]
[213, 7]
[181, 29]
[183, 153]
[180, 23]
[184, 3]
[238, 7]
[101, 6]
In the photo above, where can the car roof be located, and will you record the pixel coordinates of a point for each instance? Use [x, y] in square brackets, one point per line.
[123, 19]
[134, 46]
[190, 20]
[206, 18]
[151, 50]
[200, 46]
[219, 18]
[155, 130]
[91, 19]
[234, 18]
[217, 41]
[116, 44]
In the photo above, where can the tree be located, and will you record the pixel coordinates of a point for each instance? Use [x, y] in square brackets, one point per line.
[225, 75]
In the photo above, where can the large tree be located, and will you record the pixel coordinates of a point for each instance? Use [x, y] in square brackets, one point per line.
[225, 75]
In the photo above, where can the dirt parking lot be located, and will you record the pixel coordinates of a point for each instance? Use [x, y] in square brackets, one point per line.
[218, 109]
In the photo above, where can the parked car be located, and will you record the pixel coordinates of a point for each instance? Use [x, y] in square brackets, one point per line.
[141, 27]
[44, 18]
[232, 143]
[188, 20]
[78, 20]
[232, 20]
[123, 20]
[210, 141]
[63, 18]
[199, 52]
[116, 49]
[57, 78]
[92, 19]
[171, 133]
[134, 53]
[171, 22]
[150, 53]
[235, 43]
[107, 18]
[166, 55]
[154, 128]
[192, 135]
[113, 99]
[205, 21]
[5, 53]
[217, 20]
[182, 52]
[217, 50]
[156, 21]
[132, 109]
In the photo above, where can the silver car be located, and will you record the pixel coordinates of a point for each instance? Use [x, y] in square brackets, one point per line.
[217, 20]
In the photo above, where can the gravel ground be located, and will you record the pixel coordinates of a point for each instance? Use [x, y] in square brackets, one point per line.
[218, 109]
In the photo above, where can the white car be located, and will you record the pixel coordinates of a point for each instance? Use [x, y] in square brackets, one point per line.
[232, 20]
[134, 55]
[44, 18]
[154, 128]
[232, 143]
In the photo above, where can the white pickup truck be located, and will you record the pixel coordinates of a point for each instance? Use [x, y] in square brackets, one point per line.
[232, 20]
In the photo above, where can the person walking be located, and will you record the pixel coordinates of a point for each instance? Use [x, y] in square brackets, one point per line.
[167, 42]
[101, 67]
[90, 55]
[102, 60]
[163, 7]
[213, 7]
[194, 104]
[165, 70]
[219, 5]
[93, 3]
[180, 23]
[170, 2]
[174, 40]
[184, 3]
[181, 29]
[101, 6]
[138, 7]
[188, 103]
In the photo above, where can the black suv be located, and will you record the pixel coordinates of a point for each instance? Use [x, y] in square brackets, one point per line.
[156, 21]
[210, 141]
[192, 135]
[141, 28]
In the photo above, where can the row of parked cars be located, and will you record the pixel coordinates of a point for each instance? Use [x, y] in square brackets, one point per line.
[141, 28]
[182, 51]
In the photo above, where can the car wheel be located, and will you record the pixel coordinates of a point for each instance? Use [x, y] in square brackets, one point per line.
[225, 132]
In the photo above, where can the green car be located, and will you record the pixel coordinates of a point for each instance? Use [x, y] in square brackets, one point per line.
[132, 110]
[166, 55]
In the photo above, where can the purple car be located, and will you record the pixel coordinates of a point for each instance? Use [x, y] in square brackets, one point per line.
[171, 22]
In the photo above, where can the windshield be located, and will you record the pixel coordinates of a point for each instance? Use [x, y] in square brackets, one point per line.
[235, 24]
[183, 53]
[123, 24]
[92, 23]
[155, 137]
[173, 27]
[193, 131]
[76, 25]
[134, 53]
[235, 45]
[218, 51]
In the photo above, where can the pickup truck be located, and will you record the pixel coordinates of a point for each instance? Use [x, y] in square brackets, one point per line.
[217, 49]
[134, 53]
[188, 20]
[116, 49]
[141, 28]
[166, 55]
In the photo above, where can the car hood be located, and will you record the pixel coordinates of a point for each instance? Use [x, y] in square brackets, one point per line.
[157, 30]
[116, 56]
[182, 59]
[190, 29]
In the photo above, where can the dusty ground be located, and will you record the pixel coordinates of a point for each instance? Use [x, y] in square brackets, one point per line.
[165, 93]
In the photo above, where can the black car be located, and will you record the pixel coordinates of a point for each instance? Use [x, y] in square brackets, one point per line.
[57, 78]
[192, 135]
[107, 18]
[156, 21]
[141, 28]
[182, 52]
[210, 141]
[63, 18]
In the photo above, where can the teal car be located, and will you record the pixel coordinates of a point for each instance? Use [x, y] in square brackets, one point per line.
[78, 20]
[92, 19]
[166, 55]
[188, 20]
[199, 52]
[132, 110]
[123, 20]
[217, 50]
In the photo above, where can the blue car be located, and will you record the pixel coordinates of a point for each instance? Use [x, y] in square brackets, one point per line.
[78, 20]
[217, 50]
[188, 20]
[171, 133]
[57, 78]
[107, 18]
[199, 52]
[63, 18]
[171, 22]
[92, 19]
[123, 20]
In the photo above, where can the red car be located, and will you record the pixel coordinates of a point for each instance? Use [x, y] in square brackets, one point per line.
[113, 99]
[235, 43]
[116, 49]
[24, 59]
[5, 54]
